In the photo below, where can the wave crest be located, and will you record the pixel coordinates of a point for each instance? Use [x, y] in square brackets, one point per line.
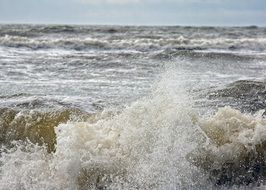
[235, 148]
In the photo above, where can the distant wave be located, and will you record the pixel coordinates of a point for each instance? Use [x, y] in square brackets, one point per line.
[247, 95]
[46, 43]
[140, 44]
[201, 53]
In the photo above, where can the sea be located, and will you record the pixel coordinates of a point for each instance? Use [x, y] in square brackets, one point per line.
[132, 107]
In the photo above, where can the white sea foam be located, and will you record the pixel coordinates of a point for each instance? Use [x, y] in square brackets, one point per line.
[143, 147]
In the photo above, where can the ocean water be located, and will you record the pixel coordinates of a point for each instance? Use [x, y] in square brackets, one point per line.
[132, 107]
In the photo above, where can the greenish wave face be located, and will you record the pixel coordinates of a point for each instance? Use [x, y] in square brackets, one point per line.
[36, 126]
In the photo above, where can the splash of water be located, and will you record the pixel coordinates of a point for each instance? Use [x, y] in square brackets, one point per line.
[142, 147]
[235, 150]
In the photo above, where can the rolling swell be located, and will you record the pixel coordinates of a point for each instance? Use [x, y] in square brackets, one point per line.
[246, 95]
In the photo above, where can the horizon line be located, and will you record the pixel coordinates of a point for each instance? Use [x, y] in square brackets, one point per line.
[116, 24]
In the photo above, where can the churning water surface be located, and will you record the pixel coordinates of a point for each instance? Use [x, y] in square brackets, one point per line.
[127, 107]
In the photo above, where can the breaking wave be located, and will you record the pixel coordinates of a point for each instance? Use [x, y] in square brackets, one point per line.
[141, 147]
[234, 150]
[157, 142]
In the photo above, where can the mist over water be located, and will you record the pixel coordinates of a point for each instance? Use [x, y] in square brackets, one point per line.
[119, 107]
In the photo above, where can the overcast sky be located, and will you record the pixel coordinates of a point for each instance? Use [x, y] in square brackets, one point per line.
[135, 12]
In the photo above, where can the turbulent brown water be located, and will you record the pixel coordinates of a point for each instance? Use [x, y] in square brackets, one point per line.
[127, 107]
